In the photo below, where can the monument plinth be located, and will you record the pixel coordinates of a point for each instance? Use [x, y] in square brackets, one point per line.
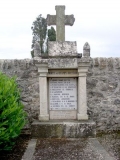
[62, 82]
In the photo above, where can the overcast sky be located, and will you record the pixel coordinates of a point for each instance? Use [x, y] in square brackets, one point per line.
[96, 22]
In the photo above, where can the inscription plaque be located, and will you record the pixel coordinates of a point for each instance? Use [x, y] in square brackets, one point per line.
[63, 93]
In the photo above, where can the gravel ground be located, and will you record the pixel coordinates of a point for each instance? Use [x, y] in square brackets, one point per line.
[111, 143]
[66, 149]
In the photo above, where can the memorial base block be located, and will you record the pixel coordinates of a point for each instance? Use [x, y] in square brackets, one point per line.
[82, 116]
[63, 129]
[44, 117]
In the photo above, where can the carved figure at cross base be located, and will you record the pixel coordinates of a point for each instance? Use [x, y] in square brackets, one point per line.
[60, 20]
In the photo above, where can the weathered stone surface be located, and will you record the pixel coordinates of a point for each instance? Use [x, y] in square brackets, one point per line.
[63, 114]
[60, 23]
[30, 150]
[66, 63]
[103, 97]
[91, 82]
[37, 50]
[103, 63]
[62, 63]
[69, 20]
[84, 59]
[110, 64]
[40, 61]
[86, 50]
[95, 62]
[117, 63]
[64, 49]
[71, 129]
[117, 102]
[63, 73]
[103, 90]
[60, 20]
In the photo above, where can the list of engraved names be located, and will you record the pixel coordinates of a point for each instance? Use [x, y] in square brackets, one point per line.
[63, 93]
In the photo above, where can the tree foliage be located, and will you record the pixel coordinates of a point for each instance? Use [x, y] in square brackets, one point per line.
[39, 28]
[12, 115]
[51, 34]
[41, 34]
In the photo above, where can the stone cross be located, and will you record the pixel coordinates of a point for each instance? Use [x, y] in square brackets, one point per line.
[60, 20]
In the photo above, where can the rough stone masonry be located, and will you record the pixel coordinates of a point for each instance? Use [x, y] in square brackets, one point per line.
[103, 89]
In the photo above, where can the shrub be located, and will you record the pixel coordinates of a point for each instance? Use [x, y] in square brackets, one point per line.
[12, 115]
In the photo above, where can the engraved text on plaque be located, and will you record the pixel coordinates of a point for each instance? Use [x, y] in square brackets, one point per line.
[63, 93]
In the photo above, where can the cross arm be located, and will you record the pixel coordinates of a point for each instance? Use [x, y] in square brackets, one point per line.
[51, 20]
[69, 20]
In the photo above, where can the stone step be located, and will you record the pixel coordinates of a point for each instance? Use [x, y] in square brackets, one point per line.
[63, 129]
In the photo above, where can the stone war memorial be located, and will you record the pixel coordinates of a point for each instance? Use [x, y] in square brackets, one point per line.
[66, 93]
[62, 84]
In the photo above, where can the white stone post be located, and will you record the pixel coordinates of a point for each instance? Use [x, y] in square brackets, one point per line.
[43, 70]
[82, 106]
[82, 93]
[86, 50]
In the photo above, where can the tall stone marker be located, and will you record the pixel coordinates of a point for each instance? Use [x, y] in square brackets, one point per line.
[62, 75]
[60, 20]
[62, 85]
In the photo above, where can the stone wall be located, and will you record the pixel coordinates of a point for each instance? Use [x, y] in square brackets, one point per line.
[27, 78]
[103, 89]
